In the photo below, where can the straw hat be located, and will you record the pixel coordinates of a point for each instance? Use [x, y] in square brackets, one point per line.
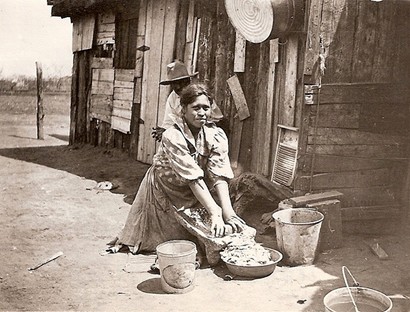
[176, 71]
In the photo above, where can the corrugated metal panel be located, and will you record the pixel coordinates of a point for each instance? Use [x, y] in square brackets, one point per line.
[285, 163]
[286, 155]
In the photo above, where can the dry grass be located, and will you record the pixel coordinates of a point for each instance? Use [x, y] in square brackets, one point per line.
[53, 103]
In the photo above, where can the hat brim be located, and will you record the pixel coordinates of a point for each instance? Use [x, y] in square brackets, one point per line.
[168, 82]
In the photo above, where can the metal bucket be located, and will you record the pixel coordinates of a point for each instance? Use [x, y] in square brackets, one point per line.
[176, 261]
[366, 299]
[356, 299]
[297, 234]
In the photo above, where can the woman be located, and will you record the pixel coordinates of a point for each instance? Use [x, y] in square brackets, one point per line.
[192, 161]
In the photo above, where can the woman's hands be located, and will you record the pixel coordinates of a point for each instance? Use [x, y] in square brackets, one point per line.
[217, 225]
[224, 220]
[220, 228]
[236, 223]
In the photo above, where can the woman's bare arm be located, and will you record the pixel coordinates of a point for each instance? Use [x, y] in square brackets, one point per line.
[201, 192]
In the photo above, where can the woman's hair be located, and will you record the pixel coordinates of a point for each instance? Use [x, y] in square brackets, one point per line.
[192, 91]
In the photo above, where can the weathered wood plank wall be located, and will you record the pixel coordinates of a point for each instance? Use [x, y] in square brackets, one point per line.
[268, 77]
[356, 126]
[149, 35]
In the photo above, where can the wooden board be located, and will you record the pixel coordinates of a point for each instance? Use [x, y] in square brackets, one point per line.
[139, 57]
[124, 75]
[123, 99]
[301, 201]
[287, 111]
[362, 178]
[382, 69]
[364, 41]
[335, 116]
[170, 24]
[331, 230]
[334, 163]
[359, 93]
[261, 137]
[102, 87]
[123, 104]
[333, 136]
[270, 132]
[151, 78]
[123, 113]
[83, 92]
[180, 35]
[385, 212]
[103, 75]
[105, 28]
[224, 42]
[190, 36]
[104, 102]
[381, 152]
[102, 62]
[206, 44]
[236, 138]
[386, 119]
[190, 32]
[313, 36]
[102, 90]
[340, 52]
[106, 18]
[240, 53]
[120, 124]
[238, 97]
[83, 33]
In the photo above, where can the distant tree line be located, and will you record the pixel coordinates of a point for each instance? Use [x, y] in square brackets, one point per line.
[24, 84]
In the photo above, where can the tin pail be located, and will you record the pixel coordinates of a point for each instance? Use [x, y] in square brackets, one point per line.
[297, 234]
[176, 261]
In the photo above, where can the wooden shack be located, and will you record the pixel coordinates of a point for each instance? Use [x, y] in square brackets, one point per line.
[320, 103]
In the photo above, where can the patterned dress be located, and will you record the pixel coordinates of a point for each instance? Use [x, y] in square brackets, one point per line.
[180, 160]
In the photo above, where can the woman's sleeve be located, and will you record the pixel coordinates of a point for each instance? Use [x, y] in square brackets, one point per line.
[176, 149]
[218, 163]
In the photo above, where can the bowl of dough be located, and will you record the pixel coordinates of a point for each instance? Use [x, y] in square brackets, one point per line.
[250, 259]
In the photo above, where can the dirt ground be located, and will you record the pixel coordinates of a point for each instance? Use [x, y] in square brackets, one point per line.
[49, 205]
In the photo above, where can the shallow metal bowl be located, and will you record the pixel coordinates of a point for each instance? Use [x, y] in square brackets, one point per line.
[256, 271]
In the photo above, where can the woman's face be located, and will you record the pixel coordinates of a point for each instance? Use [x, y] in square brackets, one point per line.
[197, 113]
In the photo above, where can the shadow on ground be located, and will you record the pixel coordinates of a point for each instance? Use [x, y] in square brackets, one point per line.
[60, 137]
[94, 163]
[307, 285]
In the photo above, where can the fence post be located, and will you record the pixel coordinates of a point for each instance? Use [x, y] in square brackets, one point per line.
[40, 115]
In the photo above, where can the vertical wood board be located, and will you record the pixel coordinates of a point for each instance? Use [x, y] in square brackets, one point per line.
[313, 36]
[152, 73]
[139, 57]
[268, 149]
[260, 137]
[364, 41]
[287, 113]
[83, 33]
[340, 53]
[168, 41]
[240, 53]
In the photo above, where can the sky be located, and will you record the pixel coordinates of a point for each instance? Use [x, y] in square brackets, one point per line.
[29, 34]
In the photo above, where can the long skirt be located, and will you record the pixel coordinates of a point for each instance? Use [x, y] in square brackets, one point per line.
[151, 219]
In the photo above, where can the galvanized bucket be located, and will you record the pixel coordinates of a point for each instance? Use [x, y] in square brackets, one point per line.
[356, 299]
[297, 234]
[176, 260]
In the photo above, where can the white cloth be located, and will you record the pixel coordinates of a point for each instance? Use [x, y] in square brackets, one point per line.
[172, 109]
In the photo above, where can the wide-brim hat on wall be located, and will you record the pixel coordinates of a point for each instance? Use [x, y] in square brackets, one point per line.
[176, 71]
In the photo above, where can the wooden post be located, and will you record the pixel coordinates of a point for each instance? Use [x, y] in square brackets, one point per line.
[40, 115]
